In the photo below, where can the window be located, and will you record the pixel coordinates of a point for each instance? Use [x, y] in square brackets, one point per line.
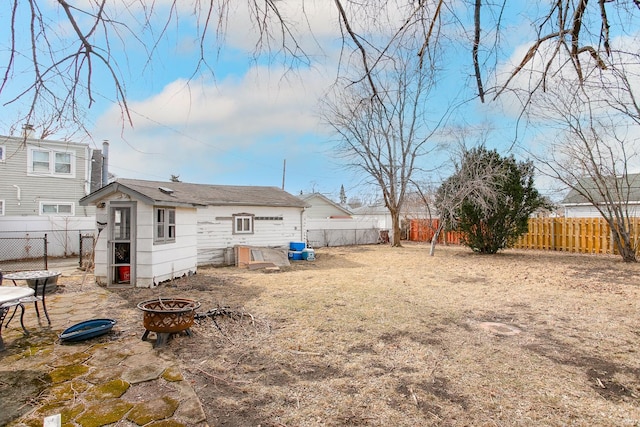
[3, 155]
[1, 207]
[49, 162]
[165, 225]
[40, 161]
[62, 163]
[57, 208]
[243, 224]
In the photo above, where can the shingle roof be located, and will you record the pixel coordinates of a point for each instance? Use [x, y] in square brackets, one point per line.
[628, 188]
[182, 193]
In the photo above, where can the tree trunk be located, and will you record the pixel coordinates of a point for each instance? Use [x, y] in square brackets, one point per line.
[625, 248]
[622, 241]
[434, 239]
[396, 240]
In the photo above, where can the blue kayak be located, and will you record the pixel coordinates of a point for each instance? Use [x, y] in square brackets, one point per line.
[87, 329]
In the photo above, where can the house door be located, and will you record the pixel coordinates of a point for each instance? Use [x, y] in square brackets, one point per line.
[122, 245]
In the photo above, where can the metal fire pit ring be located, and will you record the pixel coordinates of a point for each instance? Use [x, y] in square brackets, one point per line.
[166, 316]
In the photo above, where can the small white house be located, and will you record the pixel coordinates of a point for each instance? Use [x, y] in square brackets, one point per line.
[151, 231]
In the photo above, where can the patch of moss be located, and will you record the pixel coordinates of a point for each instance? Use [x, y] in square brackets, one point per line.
[38, 338]
[66, 373]
[67, 413]
[172, 373]
[35, 350]
[103, 413]
[31, 422]
[111, 389]
[67, 391]
[153, 410]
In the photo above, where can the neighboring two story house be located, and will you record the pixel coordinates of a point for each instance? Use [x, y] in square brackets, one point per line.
[41, 182]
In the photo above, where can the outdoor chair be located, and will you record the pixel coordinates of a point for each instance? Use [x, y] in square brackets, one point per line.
[8, 305]
[15, 305]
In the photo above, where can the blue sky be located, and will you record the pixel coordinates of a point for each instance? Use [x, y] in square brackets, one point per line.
[240, 123]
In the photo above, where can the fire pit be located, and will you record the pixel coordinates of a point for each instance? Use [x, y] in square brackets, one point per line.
[166, 316]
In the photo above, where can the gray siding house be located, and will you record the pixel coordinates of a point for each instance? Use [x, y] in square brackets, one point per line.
[623, 190]
[41, 183]
[152, 231]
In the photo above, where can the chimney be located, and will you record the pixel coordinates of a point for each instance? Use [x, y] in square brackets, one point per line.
[27, 130]
[105, 162]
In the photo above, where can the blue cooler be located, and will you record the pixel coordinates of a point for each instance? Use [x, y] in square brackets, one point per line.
[295, 255]
[297, 246]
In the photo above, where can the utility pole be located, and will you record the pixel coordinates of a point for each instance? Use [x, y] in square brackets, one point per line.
[284, 170]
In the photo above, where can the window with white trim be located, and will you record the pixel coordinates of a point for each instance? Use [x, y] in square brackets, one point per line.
[57, 208]
[164, 225]
[1, 207]
[243, 224]
[51, 162]
[3, 153]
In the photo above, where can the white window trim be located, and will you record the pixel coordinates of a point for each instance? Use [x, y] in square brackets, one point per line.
[57, 203]
[243, 216]
[3, 153]
[52, 163]
[165, 239]
[1, 207]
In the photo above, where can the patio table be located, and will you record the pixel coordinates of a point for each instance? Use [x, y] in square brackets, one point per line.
[8, 296]
[40, 279]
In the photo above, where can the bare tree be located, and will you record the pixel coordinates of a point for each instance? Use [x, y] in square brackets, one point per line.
[595, 148]
[382, 121]
[57, 50]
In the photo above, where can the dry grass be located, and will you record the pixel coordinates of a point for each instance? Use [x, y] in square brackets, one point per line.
[390, 336]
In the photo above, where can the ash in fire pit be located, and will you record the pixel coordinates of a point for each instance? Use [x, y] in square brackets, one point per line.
[167, 316]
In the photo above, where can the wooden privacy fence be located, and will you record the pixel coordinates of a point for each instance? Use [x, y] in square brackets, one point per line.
[423, 230]
[583, 235]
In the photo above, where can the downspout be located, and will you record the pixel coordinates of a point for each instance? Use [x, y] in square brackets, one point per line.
[87, 170]
[302, 237]
[17, 193]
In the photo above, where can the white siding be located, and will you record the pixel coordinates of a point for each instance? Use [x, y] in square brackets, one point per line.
[152, 263]
[215, 230]
[22, 192]
[100, 251]
[321, 209]
[160, 262]
[589, 211]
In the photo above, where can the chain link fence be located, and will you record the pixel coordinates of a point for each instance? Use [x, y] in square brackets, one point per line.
[23, 253]
[348, 237]
[87, 245]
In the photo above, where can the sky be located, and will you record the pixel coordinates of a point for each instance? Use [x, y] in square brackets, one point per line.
[252, 120]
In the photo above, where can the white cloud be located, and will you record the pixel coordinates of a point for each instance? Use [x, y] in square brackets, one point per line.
[238, 126]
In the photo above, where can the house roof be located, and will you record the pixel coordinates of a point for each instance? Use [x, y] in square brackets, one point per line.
[628, 188]
[310, 196]
[186, 194]
[371, 210]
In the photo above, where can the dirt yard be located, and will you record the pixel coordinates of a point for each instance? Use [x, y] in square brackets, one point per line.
[385, 336]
